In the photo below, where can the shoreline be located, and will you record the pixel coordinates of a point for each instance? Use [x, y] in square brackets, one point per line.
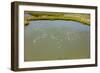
[27, 22]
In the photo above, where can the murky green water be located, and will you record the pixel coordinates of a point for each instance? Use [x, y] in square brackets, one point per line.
[56, 40]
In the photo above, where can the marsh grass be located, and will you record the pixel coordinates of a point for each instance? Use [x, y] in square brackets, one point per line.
[78, 17]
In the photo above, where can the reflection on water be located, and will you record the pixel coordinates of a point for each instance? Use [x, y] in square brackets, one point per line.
[56, 40]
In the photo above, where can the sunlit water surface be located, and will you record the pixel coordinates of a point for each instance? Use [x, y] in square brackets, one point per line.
[56, 40]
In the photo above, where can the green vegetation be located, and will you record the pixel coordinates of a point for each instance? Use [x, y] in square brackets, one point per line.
[79, 17]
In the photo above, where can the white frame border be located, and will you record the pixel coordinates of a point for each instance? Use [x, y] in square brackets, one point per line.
[34, 64]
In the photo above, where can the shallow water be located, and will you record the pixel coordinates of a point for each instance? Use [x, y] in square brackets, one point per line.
[56, 40]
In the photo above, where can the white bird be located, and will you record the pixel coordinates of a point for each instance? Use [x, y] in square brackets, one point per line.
[68, 37]
[59, 46]
[34, 41]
